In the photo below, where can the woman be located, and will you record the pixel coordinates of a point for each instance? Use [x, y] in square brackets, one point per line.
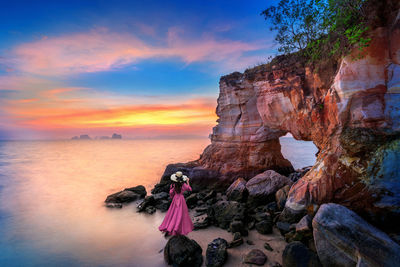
[177, 220]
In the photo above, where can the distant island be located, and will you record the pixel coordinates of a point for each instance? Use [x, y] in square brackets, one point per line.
[87, 137]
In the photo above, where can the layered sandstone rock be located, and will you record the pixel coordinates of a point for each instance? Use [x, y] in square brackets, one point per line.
[350, 109]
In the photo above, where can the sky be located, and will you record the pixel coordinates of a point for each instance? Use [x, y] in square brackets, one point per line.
[139, 68]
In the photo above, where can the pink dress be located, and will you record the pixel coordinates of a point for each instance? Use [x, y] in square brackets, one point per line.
[177, 221]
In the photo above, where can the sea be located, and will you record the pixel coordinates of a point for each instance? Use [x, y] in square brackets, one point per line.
[52, 196]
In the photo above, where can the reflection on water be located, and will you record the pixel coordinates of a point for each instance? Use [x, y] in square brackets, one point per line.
[52, 193]
[51, 201]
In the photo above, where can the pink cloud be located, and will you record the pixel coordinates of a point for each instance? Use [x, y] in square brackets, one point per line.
[100, 50]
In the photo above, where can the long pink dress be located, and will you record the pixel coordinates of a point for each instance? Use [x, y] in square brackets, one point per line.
[177, 221]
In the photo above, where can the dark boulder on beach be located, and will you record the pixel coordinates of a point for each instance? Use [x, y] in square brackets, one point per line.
[264, 227]
[342, 238]
[124, 196]
[255, 256]
[163, 205]
[200, 178]
[140, 189]
[262, 187]
[161, 187]
[148, 201]
[216, 253]
[237, 190]
[181, 251]
[224, 212]
[296, 254]
[127, 195]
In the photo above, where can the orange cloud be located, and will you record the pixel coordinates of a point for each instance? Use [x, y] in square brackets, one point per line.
[54, 111]
[100, 50]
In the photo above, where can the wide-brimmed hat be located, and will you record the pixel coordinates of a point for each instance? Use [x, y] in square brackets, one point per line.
[178, 175]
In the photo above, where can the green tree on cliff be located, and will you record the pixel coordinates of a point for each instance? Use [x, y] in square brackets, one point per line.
[319, 28]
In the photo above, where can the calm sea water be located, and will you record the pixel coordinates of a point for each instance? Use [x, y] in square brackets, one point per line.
[52, 193]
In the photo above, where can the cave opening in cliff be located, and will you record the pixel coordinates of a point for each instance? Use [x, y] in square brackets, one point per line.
[299, 153]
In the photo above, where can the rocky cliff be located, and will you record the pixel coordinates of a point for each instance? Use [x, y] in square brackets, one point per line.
[349, 108]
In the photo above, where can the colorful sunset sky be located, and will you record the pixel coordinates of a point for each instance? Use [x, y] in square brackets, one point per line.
[138, 68]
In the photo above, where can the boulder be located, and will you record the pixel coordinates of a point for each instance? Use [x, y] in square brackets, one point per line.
[296, 254]
[150, 209]
[304, 225]
[237, 240]
[201, 221]
[216, 253]
[262, 187]
[161, 187]
[191, 200]
[140, 189]
[283, 227]
[342, 238]
[200, 178]
[237, 191]
[148, 201]
[224, 212]
[160, 196]
[255, 256]
[281, 196]
[181, 251]
[264, 227]
[238, 226]
[163, 205]
[209, 195]
[124, 196]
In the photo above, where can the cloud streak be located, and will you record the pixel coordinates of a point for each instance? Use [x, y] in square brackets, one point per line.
[102, 50]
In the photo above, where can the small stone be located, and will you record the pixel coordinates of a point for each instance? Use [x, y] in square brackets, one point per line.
[150, 209]
[268, 246]
[248, 241]
[255, 256]
[200, 222]
[237, 240]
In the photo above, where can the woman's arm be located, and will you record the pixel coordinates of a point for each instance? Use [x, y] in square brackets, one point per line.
[187, 185]
[172, 191]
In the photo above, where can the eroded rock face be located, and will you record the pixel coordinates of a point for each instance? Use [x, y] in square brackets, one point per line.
[351, 111]
[343, 238]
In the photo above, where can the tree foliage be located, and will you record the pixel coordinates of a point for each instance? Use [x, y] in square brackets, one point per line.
[319, 28]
